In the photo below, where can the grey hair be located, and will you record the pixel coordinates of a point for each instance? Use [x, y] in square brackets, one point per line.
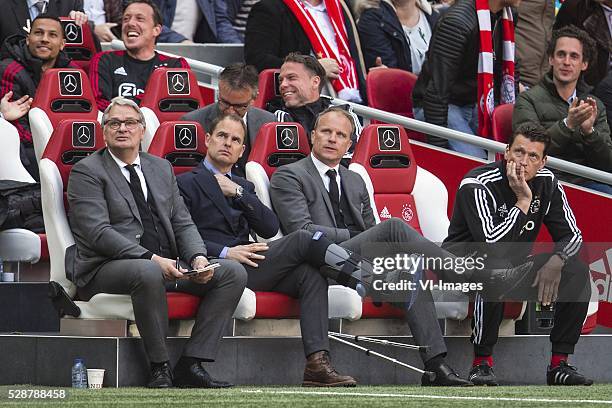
[121, 101]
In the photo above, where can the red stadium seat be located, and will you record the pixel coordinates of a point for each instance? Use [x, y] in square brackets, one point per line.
[170, 93]
[268, 87]
[502, 124]
[70, 142]
[63, 93]
[182, 143]
[80, 43]
[399, 188]
[391, 90]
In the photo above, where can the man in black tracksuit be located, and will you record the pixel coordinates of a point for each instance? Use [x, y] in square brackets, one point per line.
[125, 73]
[301, 80]
[503, 205]
[24, 59]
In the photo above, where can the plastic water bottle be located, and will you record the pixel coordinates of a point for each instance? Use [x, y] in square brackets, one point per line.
[79, 374]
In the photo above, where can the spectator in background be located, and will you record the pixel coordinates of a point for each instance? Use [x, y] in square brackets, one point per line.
[463, 77]
[106, 17]
[238, 86]
[20, 72]
[301, 80]
[238, 11]
[125, 73]
[201, 21]
[563, 105]
[18, 15]
[533, 30]
[276, 28]
[396, 31]
[594, 17]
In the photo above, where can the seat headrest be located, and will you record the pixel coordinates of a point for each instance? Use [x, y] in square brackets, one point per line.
[277, 144]
[182, 143]
[172, 92]
[502, 122]
[268, 87]
[71, 141]
[65, 93]
[391, 90]
[80, 44]
[384, 151]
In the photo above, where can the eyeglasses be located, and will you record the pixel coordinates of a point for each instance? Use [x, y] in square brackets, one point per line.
[115, 124]
[238, 107]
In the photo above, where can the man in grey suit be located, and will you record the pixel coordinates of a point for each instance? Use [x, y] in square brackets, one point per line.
[238, 86]
[130, 224]
[306, 195]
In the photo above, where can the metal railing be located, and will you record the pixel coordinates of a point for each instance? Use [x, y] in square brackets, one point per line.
[491, 146]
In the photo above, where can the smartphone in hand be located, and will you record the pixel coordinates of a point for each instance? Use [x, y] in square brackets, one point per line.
[208, 267]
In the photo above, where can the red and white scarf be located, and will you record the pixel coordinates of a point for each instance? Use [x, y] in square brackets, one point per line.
[348, 75]
[486, 97]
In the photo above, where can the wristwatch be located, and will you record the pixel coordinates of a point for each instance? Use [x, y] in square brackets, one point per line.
[239, 192]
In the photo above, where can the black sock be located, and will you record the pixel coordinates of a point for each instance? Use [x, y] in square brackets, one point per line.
[158, 365]
[190, 360]
[434, 362]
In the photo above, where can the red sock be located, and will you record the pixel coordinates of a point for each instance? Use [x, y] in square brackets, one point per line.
[478, 360]
[556, 359]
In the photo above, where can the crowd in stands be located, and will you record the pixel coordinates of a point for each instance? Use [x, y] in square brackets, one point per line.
[464, 55]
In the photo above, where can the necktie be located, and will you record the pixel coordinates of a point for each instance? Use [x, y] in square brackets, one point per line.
[149, 238]
[334, 197]
[41, 6]
[229, 200]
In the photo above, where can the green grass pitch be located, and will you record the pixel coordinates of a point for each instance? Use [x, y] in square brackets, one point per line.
[292, 397]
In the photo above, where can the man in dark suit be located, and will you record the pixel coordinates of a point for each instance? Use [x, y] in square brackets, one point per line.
[17, 15]
[130, 224]
[225, 209]
[238, 86]
[306, 196]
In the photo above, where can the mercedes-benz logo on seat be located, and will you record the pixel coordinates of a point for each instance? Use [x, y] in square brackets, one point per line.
[287, 137]
[72, 32]
[178, 83]
[83, 134]
[70, 83]
[185, 137]
[389, 139]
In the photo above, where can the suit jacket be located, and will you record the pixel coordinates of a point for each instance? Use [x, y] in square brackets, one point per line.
[216, 27]
[104, 216]
[219, 224]
[301, 201]
[273, 31]
[16, 14]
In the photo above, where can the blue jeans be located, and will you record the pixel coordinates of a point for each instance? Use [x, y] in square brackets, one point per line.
[464, 119]
[595, 185]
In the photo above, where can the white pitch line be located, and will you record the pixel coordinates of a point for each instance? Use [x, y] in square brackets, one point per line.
[423, 396]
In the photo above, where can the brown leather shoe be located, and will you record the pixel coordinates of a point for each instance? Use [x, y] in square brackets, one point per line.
[320, 373]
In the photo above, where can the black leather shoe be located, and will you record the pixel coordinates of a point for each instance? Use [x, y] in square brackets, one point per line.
[506, 283]
[195, 376]
[161, 377]
[443, 376]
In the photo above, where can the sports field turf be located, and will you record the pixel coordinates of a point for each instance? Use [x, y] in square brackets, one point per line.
[364, 396]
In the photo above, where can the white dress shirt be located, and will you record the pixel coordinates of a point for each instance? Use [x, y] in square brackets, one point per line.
[126, 173]
[322, 168]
